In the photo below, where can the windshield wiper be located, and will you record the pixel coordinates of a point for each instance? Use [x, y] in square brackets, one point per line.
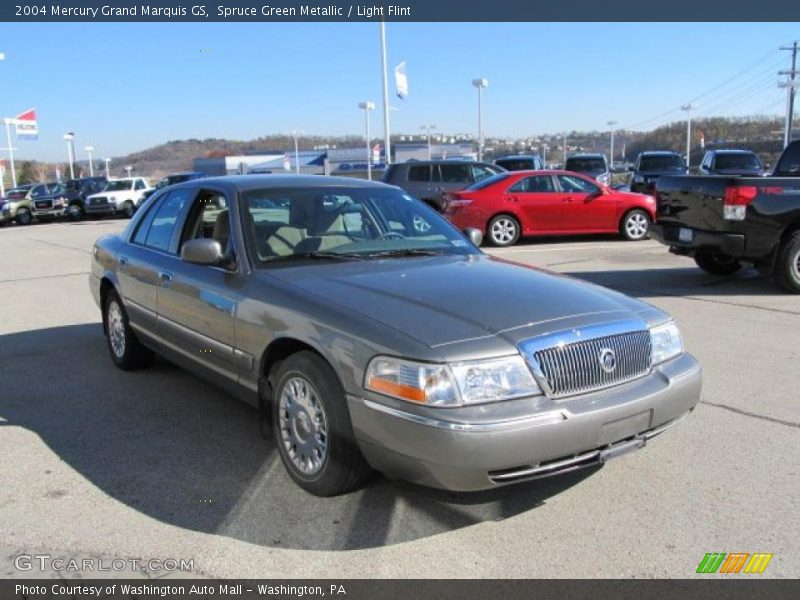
[405, 252]
[317, 255]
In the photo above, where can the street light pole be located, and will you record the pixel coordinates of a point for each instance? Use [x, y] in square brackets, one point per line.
[69, 137]
[128, 169]
[688, 108]
[480, 83]
[367, 107]
[611, 152]
[108, 171]
[295, 133]
[428, 129]
[7, 123]
[89, 150]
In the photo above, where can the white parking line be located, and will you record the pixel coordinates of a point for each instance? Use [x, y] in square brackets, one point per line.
[596, 246]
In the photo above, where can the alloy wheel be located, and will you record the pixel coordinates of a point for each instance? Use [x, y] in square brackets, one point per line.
[636, 226]
[116, 329]
[503, 231]
[303, 426]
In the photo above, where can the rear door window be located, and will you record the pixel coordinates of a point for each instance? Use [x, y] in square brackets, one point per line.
[455, 173]
[540, 184]
[162, 227]
[419, 173]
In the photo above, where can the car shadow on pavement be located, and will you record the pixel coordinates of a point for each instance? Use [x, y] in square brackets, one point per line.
[688, 281]
[175, 448]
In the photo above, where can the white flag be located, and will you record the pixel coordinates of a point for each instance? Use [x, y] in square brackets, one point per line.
[401, 80]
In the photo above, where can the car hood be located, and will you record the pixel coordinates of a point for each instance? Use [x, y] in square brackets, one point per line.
[448, 300]
[750, 172]
[662, 173]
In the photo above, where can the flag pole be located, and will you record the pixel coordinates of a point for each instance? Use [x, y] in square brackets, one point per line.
[7, 122]
[386, 127]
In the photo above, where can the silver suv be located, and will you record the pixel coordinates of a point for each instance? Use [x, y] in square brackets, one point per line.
[429, 180]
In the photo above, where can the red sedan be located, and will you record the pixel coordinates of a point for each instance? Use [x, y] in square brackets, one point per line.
[510, 205]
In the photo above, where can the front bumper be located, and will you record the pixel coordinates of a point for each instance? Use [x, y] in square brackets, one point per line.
[729, 244]
[561, 435]
[49, 212]
[100, 209]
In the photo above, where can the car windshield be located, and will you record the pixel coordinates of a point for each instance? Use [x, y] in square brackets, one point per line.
[58, 188]
[483, 183]
[344, 223]
[663, 162]
[586, 165]
[118, 186]
[737, 161]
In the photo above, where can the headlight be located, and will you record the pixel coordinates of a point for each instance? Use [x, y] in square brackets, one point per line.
[456, 384]
[666, 342]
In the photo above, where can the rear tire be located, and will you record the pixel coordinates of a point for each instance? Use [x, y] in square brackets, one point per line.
[717, 264]
[635, 225]
[503, 231]
[787, 265]
[126, 350]
[312, 427]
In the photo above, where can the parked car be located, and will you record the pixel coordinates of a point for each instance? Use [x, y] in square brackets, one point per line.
[67, 199]
[320, 300]
[120, 196]
[172, 180]
[428, 180]
[724, 222]
[521, 162]
[18, 202]
[731, 162]
[525, 203]
[651, 165]
[592, 165]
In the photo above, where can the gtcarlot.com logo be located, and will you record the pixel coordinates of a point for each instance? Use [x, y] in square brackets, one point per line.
[734, 562]
[46, 562]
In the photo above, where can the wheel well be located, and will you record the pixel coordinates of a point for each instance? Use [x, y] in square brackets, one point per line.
[504, 214]
[789, 231]
[281, 349]
[630, 210]
[105, 287]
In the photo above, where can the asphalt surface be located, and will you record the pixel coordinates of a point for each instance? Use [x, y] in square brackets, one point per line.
[100, 463]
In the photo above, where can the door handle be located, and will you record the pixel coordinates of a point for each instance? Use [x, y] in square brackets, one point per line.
[513, 199]
[165, 278]
[123, 263]
[569, 199]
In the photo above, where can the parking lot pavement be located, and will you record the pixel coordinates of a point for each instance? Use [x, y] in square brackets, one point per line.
[158, 464]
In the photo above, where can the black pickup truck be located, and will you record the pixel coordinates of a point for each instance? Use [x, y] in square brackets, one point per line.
[724, 222]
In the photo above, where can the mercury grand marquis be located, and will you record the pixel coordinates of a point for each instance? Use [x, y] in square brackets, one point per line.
[373, 335]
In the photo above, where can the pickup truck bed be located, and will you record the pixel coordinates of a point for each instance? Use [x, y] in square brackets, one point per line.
[724, 222]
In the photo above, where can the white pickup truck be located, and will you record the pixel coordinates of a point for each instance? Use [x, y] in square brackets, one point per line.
[120, 196]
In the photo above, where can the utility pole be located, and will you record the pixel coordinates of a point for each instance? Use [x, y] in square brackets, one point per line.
[611, 152]
[790, 86]
[688, 108]
[387, 141]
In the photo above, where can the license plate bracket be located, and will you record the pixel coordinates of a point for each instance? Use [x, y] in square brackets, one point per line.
[685, 235]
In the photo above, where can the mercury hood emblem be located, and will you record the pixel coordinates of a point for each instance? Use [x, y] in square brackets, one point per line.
[608, 360]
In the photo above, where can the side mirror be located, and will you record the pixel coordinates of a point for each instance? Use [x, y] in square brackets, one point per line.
[631, 169]
[474, 235]
[202, 252]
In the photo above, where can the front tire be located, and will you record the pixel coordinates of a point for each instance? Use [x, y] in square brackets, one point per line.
[635, 225]
[503, 231]
[787, 265]
[128, 209]
[24, 217]
[312, 427]
[126, 350]
[717, 264]
[74, 212]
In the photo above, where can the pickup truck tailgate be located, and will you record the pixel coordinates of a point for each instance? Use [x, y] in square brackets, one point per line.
[695, 202]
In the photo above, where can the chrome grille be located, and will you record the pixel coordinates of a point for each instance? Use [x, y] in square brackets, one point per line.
[576, 368]
[589, 358]
[99, 200]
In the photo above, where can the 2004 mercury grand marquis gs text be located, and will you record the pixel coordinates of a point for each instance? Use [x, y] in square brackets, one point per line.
[374, 335]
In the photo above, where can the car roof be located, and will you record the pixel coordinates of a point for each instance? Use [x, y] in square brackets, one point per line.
[517, 156]
[732, 151]
[659, 153]
[586, 155]
[245, 183]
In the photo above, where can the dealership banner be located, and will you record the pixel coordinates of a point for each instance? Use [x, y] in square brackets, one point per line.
[402, 10]
[27, 127]
[401, 80]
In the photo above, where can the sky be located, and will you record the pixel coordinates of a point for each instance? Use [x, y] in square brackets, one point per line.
[123, 87]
